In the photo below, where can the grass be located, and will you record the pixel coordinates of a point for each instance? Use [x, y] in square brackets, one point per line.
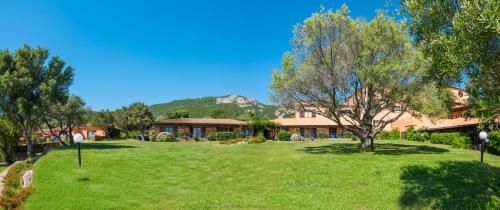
[273, 175]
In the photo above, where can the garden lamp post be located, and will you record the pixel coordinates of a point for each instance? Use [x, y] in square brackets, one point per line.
[484, 141]
[78, 138]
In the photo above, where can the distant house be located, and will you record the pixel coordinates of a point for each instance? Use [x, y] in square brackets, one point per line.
[200, 127]
[310, 125]
[88, 132]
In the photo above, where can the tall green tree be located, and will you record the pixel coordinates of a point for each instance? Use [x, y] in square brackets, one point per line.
[28, 78]
[9, 136]
[178, 114]
[361, 75]
[461, 38]
[65, 116]
[141, 118]
[104, 119]
[122, 120]
[217, 114]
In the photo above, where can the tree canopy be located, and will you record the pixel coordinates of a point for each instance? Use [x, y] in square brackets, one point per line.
[461, 40]
[28, 80]
[362, 75]
[140, 117]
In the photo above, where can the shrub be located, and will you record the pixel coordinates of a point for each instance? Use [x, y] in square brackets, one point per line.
[462, 142]
[349, 134]
[395, 134]
[283, 135]
[494, 142]
[258, 139]
[219, 136]
[417, 136]
[457, 140]
[296, 137]
[388, 135]
[13, 194]
[165, 137]
[239, 135]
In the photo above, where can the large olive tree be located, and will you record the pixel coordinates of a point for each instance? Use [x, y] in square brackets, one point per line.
[362, 75]
[461, 38]
[28, 80]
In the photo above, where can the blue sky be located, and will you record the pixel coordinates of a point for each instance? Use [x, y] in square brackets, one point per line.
[158, 51]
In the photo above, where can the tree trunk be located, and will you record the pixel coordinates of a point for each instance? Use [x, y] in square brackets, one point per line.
[29, 143]
[108, 133]
[70, 135]
[367, 143]
[142, 135]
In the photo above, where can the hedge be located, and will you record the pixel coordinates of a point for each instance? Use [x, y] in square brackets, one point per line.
[457, 140]
[389, 135]
[417, 136]
[494, 142]
[219, 136]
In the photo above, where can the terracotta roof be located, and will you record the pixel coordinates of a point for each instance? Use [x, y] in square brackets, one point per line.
[316, 121]
[203, 121]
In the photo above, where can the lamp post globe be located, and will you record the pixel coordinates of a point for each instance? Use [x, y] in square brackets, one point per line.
[484, 141]
[78, 138]
[483, 135]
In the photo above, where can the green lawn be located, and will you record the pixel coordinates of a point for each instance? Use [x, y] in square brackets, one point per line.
[272, 175]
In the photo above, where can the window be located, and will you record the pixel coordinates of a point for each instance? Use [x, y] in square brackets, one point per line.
[307, 114]
[332, 133]
[169, 130]
[308, 132]
[196, 133]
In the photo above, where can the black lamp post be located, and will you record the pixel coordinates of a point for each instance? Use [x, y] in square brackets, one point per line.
[484, 141]
[78, 138]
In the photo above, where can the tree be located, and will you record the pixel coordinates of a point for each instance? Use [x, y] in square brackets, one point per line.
[104, 119]
[140, 117]
[65, 116]
[217, 114]
[27, 80]
[361, 75]
[178, 114]
[460, 37]
[8, 138]
[122, 120]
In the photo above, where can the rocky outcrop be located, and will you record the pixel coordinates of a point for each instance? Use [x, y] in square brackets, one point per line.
[237, 99]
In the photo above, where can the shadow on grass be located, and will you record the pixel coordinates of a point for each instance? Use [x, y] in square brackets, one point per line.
[380, 149]
[97, 146]
[451, 185]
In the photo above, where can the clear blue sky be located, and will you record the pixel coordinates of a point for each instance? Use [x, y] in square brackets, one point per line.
[158, 51]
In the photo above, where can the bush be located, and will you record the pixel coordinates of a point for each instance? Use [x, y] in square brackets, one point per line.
[457, 140]
[283, 135]
[258, 139]
[165, 137]
[462, 142]
[417, 136]
[296, 137]
[349, 134]
[494, 142]
[219, 136]
[13, 194]
[389, 135]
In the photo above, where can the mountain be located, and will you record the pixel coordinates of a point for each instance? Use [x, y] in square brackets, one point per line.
[230, 106]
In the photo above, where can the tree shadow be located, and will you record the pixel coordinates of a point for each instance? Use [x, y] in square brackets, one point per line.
[97, 146]
[380, 149]
[451, 185]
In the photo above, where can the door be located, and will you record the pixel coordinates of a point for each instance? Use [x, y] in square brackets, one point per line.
[91, 134]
